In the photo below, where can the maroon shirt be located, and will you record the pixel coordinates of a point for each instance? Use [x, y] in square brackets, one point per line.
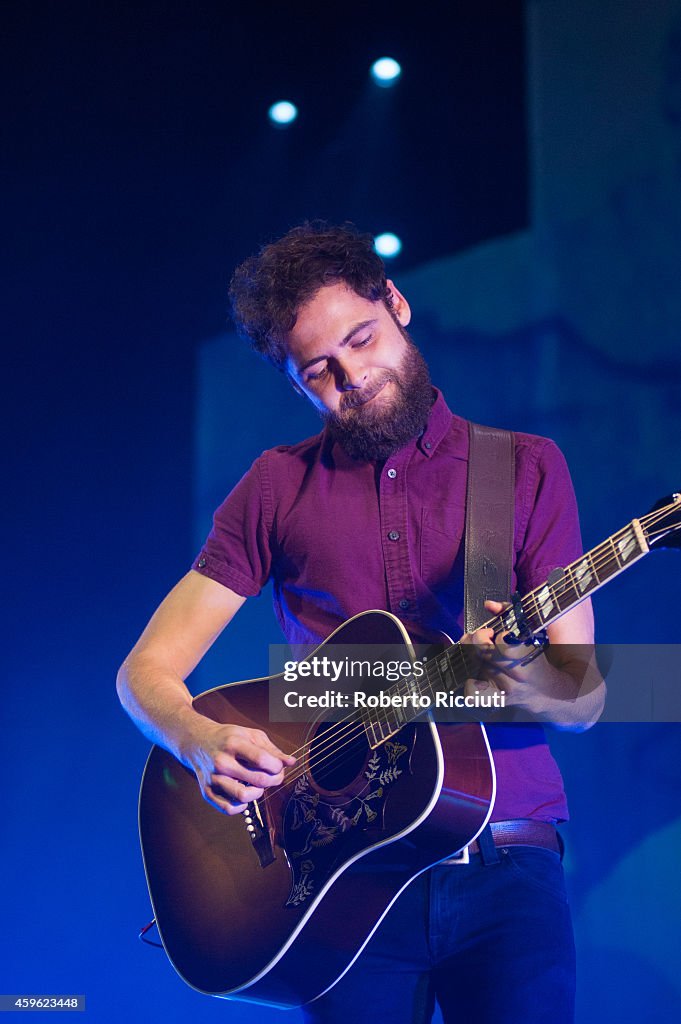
[337, 537]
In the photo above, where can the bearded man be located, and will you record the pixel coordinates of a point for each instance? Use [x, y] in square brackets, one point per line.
[370, 514]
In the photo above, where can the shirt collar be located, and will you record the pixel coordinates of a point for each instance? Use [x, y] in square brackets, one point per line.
[440, 422]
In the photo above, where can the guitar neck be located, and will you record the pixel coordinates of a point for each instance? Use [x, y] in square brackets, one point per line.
[564, 589]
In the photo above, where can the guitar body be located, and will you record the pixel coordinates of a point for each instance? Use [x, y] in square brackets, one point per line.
[275, 905]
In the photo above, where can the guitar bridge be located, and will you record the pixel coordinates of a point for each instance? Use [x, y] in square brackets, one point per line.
[259, 834]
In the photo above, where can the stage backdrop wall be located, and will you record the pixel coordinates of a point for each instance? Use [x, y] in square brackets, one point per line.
[569, 329]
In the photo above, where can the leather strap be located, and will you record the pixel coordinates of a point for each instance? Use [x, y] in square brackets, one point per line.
[490, 504]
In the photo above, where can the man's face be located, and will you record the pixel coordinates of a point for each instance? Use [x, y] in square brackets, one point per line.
[355, 362]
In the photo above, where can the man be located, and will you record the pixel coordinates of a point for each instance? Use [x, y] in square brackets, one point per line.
[369, 514]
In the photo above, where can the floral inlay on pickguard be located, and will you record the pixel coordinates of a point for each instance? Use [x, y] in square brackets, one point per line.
[317, 829]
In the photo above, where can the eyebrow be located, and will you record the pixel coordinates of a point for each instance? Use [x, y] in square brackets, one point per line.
[346, 341]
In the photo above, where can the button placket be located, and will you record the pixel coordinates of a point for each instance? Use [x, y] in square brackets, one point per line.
[396, 555]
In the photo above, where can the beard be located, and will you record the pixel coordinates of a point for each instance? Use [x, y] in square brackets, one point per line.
[373, 431]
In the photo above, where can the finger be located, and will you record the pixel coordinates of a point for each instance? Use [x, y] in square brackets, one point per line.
[497, 606]
[261, 739]
[254, 756]
[483, 639]
[232, 767]
[261, 780]
[237, 793]
[286, 759]
[221, 803]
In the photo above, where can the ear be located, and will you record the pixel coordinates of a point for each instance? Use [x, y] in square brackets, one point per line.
[400, 306]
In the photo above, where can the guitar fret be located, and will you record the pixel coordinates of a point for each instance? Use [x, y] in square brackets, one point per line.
[381, 724]
[384, 735]
[611, 541]
[545, 602]
[610, 564]
[585, 575]
[453, 668]
[398, 719]
[628, 545]
[563, 589]
[443, 668]
[533, 617]
[570, 593]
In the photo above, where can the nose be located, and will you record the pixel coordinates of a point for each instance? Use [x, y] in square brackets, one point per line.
[351, 377]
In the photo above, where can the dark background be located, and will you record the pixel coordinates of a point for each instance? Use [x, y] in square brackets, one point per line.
[138, 167]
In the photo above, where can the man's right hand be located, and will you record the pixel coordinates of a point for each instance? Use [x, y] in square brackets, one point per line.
[234, 765]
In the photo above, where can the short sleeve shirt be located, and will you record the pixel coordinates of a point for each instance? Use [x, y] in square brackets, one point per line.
[337, 537]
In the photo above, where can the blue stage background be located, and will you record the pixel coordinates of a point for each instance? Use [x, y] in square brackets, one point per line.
[555, 309]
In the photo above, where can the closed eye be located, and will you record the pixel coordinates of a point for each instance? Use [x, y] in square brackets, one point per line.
[319, 375]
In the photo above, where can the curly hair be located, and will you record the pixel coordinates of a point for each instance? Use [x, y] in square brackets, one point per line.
[268, 290]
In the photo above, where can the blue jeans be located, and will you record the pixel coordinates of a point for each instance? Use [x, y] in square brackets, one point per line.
[490, 942]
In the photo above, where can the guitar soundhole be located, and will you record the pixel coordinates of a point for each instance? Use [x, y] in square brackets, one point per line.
[338, 753]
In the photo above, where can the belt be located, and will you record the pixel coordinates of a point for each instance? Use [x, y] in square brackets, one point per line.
[516, 832]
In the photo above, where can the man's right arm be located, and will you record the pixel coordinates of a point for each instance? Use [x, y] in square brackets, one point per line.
[232, 764]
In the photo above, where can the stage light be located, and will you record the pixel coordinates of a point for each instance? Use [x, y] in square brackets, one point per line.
[385, 71]
[388, 245]
[283, 113]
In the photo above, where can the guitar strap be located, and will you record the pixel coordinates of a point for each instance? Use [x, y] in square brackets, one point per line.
[490, 506]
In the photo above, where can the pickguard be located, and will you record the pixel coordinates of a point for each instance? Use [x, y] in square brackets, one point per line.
[322, 829]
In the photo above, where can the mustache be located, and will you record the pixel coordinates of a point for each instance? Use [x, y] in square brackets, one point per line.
[354, 399]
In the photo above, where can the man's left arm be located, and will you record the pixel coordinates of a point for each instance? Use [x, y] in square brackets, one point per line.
[563, 687]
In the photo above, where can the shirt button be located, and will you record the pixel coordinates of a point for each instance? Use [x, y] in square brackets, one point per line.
[393, 535]
[201, 562]
[427, 445]
[392, 473]
[404, 604]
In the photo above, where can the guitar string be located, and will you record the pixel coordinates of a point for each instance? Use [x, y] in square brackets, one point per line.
[354, 721]
[332, 747]
[335, 745]
[605, 557]
[338, 738]
[352, 725]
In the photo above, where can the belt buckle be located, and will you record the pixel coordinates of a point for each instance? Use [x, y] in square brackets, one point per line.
[462, 857]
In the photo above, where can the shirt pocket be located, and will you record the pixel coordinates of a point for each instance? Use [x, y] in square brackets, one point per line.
[441, 546]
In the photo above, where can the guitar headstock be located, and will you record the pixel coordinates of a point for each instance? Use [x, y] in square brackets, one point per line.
[662, 525]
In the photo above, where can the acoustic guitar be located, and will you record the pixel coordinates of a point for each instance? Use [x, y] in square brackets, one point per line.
[275, 904]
